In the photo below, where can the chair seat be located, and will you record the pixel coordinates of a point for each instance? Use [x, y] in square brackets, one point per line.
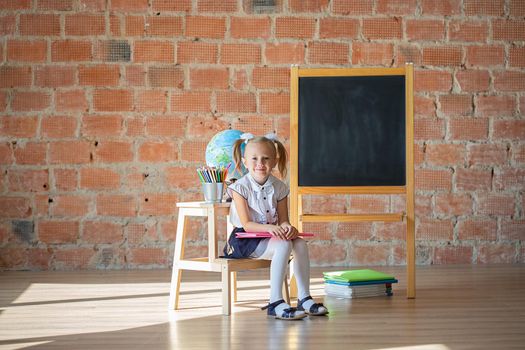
[243, 264]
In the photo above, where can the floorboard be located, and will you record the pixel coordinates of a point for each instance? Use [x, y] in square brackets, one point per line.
[457, 307]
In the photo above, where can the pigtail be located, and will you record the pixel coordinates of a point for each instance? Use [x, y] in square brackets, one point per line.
[282, 158]
[237, 155]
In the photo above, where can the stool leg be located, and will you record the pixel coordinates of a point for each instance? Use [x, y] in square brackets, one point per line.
[176, 273]
[226, 296]
[234, 286]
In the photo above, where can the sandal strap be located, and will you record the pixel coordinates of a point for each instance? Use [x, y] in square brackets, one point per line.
[305, 299]
[272, 306]
[289, 313]
[315, 307]
[300, 303]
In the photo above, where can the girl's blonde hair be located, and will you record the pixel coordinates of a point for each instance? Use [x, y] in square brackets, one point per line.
[280, 152]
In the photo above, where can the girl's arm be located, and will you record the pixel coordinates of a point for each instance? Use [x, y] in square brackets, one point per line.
[282, 214]
[250, 226]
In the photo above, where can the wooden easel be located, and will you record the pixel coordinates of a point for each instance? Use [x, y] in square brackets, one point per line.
[297, 217]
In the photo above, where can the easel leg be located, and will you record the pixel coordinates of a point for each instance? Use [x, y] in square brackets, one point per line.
[410, 195]
[411, 260]
[293, 286]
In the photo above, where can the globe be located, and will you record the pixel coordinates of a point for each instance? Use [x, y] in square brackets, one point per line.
[219, 152]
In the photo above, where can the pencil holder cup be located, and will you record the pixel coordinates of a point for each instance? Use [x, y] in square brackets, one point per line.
[212, 191]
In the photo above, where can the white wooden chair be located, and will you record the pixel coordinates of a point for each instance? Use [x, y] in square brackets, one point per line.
[227, 267]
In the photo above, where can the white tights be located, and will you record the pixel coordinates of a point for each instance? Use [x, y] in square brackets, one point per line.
[278, 251]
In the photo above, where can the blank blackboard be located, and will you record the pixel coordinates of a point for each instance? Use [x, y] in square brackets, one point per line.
[351, 131]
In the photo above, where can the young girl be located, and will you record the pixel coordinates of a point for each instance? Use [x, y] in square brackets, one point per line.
[260, 205]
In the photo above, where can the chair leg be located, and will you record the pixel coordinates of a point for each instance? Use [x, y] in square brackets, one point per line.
[226, 295]
[286, 291]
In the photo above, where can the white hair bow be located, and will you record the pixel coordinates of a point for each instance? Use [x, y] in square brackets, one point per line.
[271, 136]
[246, 137]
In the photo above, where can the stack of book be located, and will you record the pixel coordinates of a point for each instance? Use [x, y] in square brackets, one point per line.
[358, 283]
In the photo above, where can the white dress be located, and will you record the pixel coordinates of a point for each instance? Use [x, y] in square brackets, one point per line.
[262, 202]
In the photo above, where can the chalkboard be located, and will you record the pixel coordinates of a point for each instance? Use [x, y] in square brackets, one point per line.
[351, 131]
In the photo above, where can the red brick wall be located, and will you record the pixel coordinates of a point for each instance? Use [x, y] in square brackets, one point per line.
[106, 108]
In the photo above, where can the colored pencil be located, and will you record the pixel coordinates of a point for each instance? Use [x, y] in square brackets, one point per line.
[212, 174]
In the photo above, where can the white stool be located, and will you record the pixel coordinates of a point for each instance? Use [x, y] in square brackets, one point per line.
[227, 267]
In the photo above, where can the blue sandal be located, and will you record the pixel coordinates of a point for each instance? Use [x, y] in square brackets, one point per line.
[314, 309]
[290, 313]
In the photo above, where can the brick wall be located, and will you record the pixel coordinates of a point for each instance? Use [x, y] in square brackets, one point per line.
[106, 107]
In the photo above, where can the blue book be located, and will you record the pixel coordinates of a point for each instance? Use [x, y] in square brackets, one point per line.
[363, 283]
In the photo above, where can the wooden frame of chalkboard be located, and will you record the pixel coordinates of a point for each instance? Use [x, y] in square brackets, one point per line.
[352, 132]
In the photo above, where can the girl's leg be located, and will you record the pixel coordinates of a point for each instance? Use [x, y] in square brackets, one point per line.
[301, 269]
[278, 251]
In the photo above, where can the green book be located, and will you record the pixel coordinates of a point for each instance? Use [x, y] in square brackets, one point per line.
[357, 275]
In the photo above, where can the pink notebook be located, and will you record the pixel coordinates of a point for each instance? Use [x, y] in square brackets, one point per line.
[264, 234]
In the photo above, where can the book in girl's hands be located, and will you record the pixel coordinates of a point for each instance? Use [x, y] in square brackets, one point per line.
[264, 234]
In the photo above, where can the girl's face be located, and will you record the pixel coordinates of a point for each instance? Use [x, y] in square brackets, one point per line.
[259, 159]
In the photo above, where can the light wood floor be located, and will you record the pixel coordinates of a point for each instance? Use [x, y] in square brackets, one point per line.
[457, 307]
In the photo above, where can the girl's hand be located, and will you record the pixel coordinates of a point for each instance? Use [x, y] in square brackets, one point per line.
[277, 231]
[291, 232]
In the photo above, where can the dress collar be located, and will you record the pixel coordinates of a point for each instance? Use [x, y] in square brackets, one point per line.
[256, 186]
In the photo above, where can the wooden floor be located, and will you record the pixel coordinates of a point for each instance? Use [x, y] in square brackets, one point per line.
[457, 307]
